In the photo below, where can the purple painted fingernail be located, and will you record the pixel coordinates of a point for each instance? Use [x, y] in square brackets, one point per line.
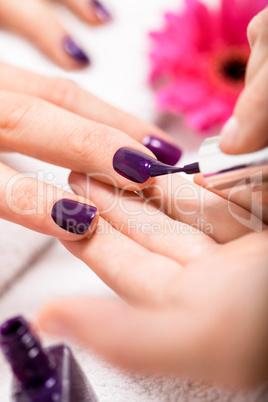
[74, 50]
[101, 11]
[164, 151]
[75, 217]
[133, 165]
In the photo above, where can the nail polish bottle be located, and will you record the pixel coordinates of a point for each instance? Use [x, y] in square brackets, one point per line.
[41, 374]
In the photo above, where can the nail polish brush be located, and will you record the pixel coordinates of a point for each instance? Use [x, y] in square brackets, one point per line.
[220, 170]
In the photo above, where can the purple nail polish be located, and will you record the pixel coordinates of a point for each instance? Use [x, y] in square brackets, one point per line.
[75, 217]
[133, 165]
[139, 167]
[102, 13]
[74, 50]
[164, 151]
[41, 375]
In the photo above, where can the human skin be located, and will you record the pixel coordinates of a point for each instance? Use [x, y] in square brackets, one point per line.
[196, 302]
[56, 121]
[36, 20]
[246, 131]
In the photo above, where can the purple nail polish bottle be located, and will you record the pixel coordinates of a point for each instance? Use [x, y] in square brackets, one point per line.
[41, 375]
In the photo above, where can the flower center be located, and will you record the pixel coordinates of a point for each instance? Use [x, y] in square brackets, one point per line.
[234, 69]
[227, 67]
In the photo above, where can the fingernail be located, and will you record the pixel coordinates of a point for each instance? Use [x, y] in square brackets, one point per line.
[164, 151]
[75, 217]
[229, 133]
[133, 165]
[74, 50]
[101, 11]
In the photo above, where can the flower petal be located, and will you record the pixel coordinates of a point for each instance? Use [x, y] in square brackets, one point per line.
[205, 24]
[235, 17]
[186, 57]
[215, 111]
[185, 94]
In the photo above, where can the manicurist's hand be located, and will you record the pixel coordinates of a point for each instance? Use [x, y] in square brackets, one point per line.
[36, 20]
[192, 269]
[56, 121]
[247, 130]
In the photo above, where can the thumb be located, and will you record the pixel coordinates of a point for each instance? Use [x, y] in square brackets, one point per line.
[135, 339]
[247, 130]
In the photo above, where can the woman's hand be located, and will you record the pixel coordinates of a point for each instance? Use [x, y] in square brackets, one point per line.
[247, 130]
[56, 121]
[36, 20]
[194, 275]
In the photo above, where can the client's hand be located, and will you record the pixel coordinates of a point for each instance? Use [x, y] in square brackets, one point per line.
[36, 20]
[195, 278]
[56, 121]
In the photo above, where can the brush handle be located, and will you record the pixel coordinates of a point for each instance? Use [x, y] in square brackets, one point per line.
[223, 171]
[160, 169]
[192, 168]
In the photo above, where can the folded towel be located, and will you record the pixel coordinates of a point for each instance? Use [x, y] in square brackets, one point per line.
[19, 246]
[16, 254]
[59, 274]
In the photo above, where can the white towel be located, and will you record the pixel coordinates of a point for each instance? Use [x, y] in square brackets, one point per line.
[19, 247]
[57, 274]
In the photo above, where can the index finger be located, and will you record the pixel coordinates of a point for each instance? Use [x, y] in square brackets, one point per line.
[69, 96]
[46, 132]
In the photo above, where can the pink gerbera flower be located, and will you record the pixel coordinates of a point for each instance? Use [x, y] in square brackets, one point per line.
[199, 60]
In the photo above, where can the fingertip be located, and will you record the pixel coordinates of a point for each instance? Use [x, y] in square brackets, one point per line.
[100, 11]
[92, 12]
[165, 151]
[91, 229]
[256, 25]
[229, 136]
[77, 182]
[74, 316]
[252, 30]
[78, 56]
[63, 317]
[76, 219]
[74, 177]
[200, 180]
[142, 186]
[135, 166]
[50, 319]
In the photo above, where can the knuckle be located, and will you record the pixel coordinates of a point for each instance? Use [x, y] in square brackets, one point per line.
[264, 17]
[60, 91]
[14, 111]
[264, 26]
[24, 195]
[258, 26]
[251, 29]
[85, 142]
